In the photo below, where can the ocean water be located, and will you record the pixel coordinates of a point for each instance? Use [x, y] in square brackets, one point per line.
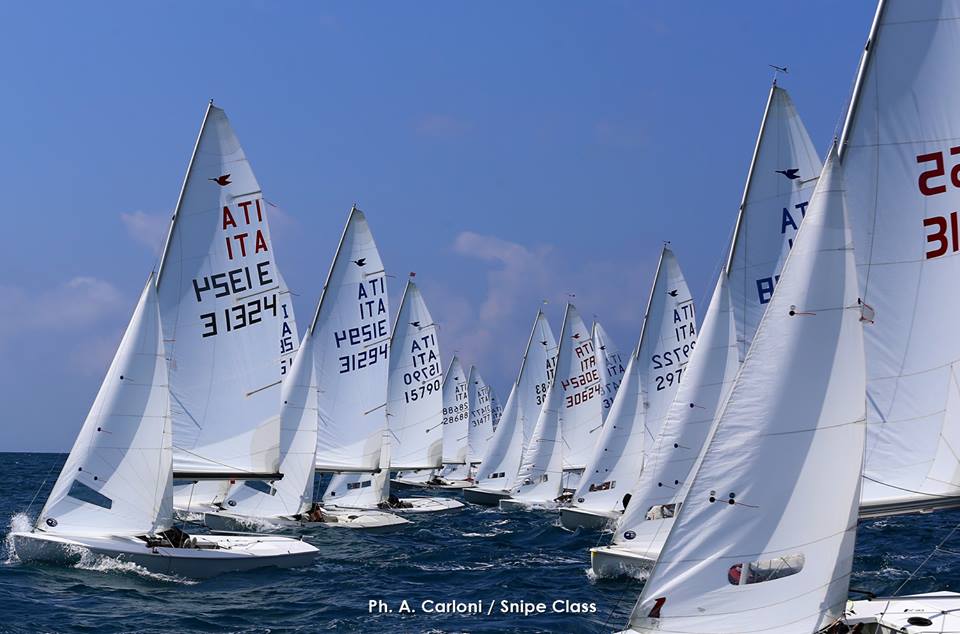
[477, 554]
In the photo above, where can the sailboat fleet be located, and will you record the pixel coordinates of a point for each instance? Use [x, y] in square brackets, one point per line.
[727, 462]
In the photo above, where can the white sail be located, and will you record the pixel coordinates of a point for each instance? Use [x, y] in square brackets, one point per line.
[667, 341]
[480, 427]
[293, 493]
[456, 413]
[351, 354]
[224, 309]
[117, 478]
[505, 450]
[610, 363]
[570, 417]
[754, 255]
[496, 411]
[414, 387]
[782, 177]
[744, 554]
[900, 155]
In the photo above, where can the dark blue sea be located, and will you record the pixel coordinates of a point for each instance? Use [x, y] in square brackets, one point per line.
[477, 554]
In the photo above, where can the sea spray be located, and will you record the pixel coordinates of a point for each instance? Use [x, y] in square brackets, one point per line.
[19, 523]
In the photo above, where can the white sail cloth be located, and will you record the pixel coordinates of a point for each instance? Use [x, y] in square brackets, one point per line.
[480, 426]
[667, 341]
[744, 554]
[501, 463]
[117, 479]
[351, 354]
[293, 493]
[224, 309]
[570, 420]
[414, 387]
[610, 365]
[456, 413]
[899, 153]
[754, 256]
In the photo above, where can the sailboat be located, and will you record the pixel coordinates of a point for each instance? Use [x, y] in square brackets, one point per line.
[228, 325]
[610, 365]
[455, 473]
[783, 173]
[569, 422]
[114, 495]
[667, 341]
[414, 411]
[498, 469]
[787, 446]
[480, 423]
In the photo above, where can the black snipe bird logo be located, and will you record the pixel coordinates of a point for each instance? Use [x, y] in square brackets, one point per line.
[222, 181]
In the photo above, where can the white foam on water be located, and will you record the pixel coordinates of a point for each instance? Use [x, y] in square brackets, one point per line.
[19, 523]
[99, 563]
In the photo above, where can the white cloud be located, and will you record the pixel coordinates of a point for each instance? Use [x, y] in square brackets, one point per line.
[149, 229]
[492, 328]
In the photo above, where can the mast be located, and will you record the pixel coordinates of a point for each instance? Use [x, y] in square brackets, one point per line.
[861, 75]
[183, 188]
[746, 186]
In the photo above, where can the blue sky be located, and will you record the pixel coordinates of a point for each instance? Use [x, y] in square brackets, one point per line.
[506, 152]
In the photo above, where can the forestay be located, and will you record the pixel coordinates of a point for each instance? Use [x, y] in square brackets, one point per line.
[504, 452]
[226, 314]
[609, 364]
[901, 151]
[667, 341]
[351, 351]
[117, 478]
[743, 555]
[414, 387]
[720, 346]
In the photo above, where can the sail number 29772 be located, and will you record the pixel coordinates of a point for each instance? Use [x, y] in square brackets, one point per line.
[943, 232]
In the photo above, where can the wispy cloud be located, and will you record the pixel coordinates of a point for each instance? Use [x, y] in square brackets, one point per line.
[442, 126]
[74, 314]
[492, 329]
[149, 229]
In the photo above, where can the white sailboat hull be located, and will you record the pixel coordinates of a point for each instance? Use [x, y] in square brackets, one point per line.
[363, 520]
[572, 518]
[215, 555]
[410, 505]
[484, 497]
[519, 504]
[918, 614]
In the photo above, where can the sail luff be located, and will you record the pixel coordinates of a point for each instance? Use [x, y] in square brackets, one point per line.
[746, 186]
[183, 188]
[861, 76]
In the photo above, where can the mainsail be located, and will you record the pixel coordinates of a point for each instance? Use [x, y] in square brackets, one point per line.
[117, 478]
[351, 354]
[764, 231]
[570, 419]
[414, 387]
[667, 341]
[609, 364]
[456, 415]
[499, 467]
[480, 426]
[226, 315]
[900, 150]
[744, 554]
